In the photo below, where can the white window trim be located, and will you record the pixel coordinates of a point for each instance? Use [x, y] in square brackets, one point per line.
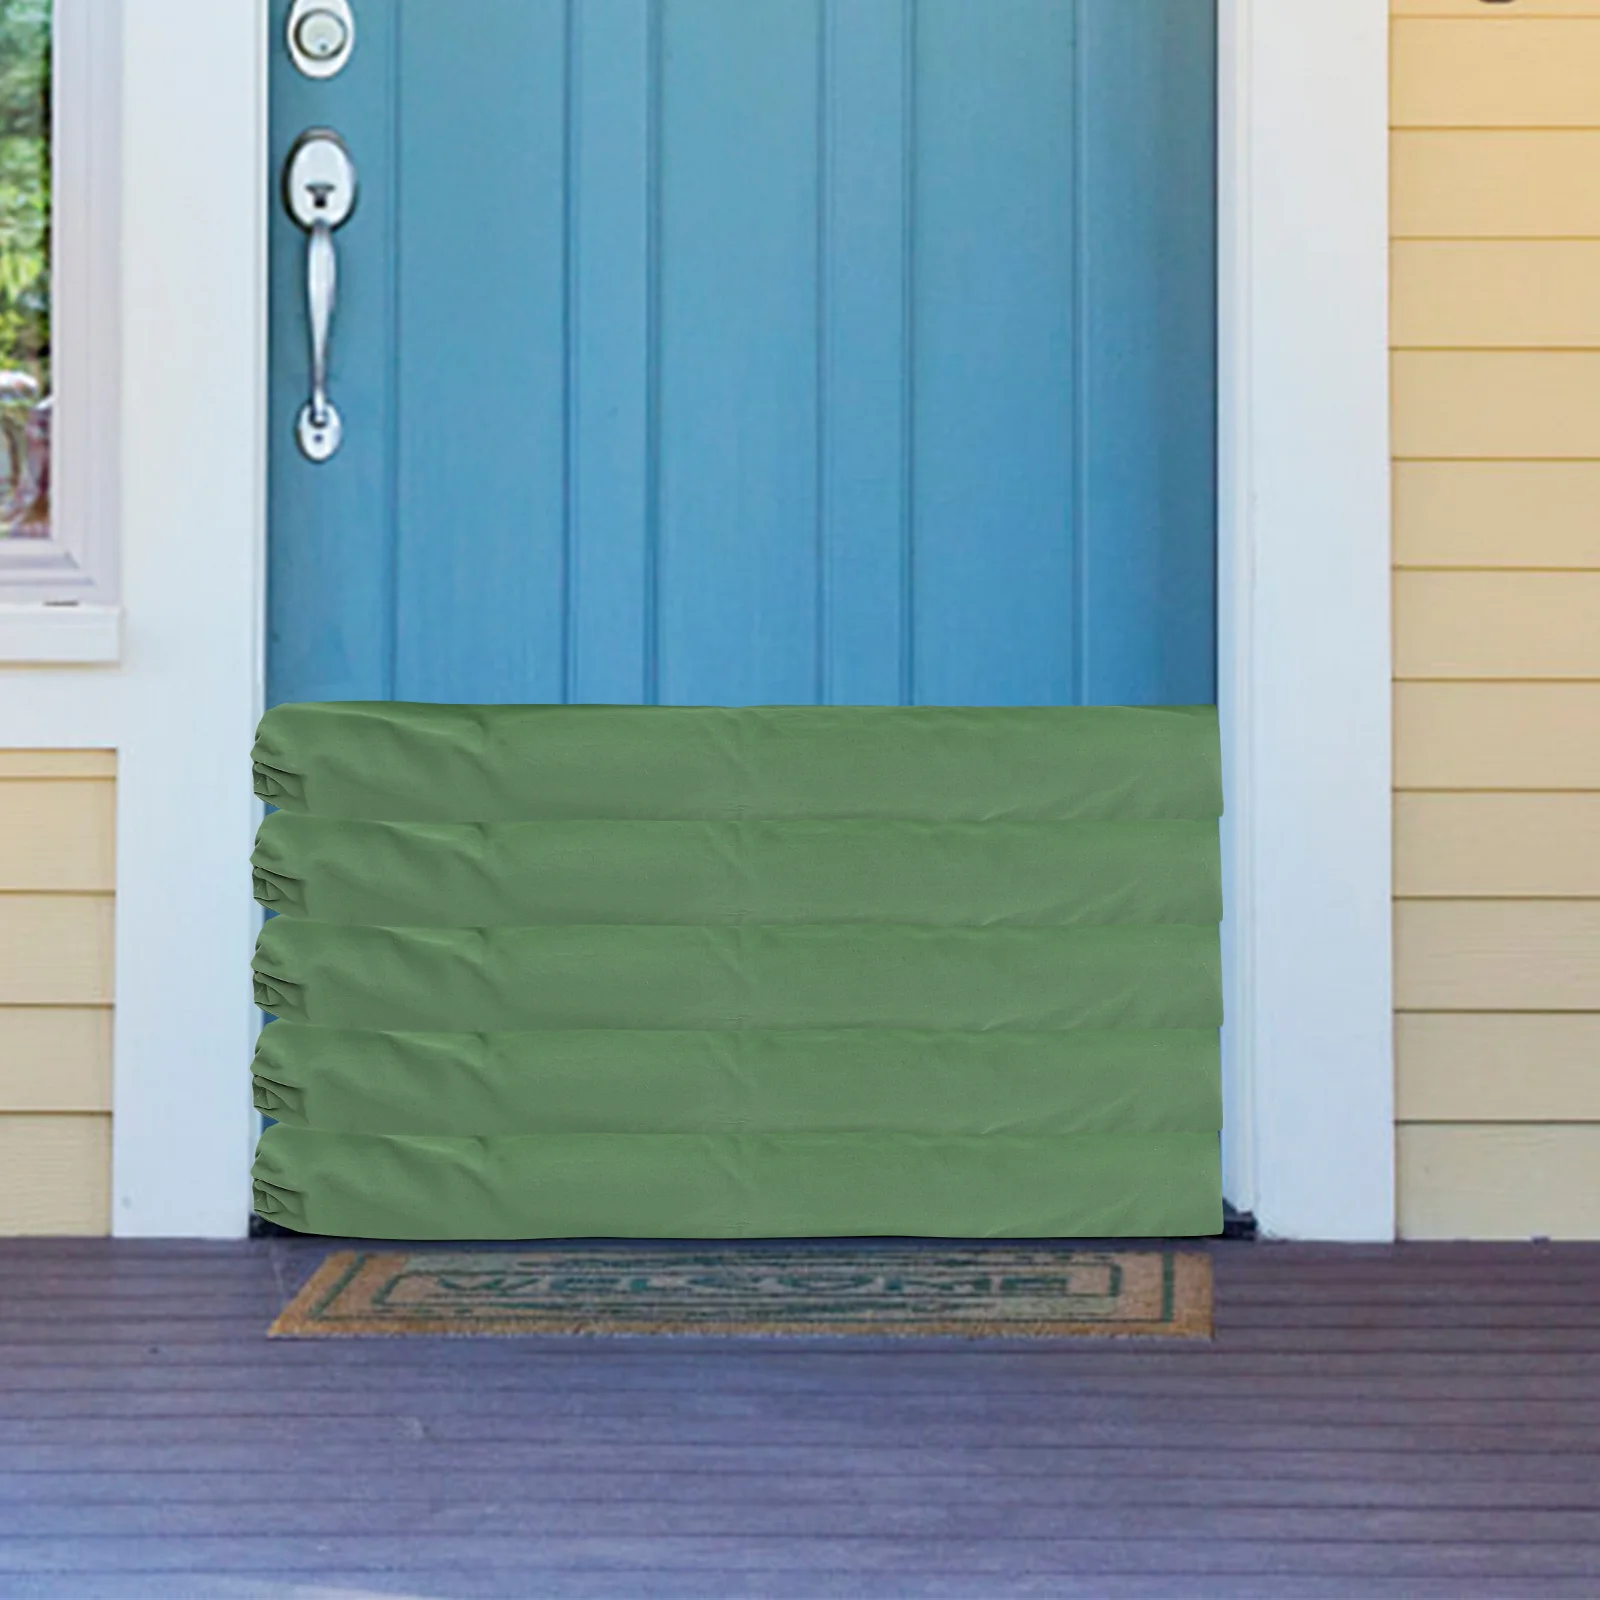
[58, 597]
[1304, 618]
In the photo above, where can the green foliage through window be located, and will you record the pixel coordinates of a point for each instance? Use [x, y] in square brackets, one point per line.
[24, 265]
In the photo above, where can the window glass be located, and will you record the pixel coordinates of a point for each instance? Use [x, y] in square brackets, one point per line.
[25, 269]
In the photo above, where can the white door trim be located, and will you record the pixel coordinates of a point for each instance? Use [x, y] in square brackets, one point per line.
[1304, 613]
[180, 704]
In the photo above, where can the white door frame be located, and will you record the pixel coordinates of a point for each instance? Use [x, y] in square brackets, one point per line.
[1304, 612]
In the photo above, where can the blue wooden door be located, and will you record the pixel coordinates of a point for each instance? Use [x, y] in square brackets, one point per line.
[757, 351]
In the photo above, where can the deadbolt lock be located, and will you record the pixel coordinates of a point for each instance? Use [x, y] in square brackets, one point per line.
[321, 34]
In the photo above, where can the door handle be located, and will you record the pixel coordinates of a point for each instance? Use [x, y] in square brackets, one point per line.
[319, 189]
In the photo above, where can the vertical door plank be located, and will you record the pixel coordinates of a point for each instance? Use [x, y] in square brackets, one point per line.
[610, 429]
[330, 595]
[865, 261]
[1146, 524]
[737, 574]
[993, 360]
[481, 356]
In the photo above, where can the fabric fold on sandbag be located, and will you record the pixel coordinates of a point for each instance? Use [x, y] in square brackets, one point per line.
[802, 976]
[737, 1186]
[466, 875]
[646, 1080]
[410, 762]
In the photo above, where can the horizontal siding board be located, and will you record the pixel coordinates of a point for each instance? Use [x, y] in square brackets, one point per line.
[1479, 11]
[55, 949]
[1497, 513]
[55, 1174]
[1506, 403]
[1497, 1067]
[1496, 293]
[57, 834]
[1497, 624]
[1502, 72]
[1495, 184]
[55, 1058]
[1497, 955]
[58, 763]
[1513, 736]
[1501, 845]
[1505, 1181]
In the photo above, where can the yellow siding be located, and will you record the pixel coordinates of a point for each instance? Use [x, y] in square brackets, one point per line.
[55, 1174]
[1503, 72]
[1515, 625]
[58, 764]
[1497, 955]
[1500, 1180]
[1497, 735]
[1499, 293]
[55, 1058]
[57, 876]
[1496, 327]
[1499, 1066]
[1517, 514]
[1475, 8]
[1497, 845]
[1506, 404]
[1499, 184]
[58, 835]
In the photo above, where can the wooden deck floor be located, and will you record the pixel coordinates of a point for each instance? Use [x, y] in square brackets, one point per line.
[1419, 1421]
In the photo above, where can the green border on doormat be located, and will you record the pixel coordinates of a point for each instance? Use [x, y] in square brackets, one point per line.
[888, 1289]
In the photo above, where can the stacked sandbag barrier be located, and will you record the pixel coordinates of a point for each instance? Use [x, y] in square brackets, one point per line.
[545, 971]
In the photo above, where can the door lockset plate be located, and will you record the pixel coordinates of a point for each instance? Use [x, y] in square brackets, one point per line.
[319, 179]
[320, 35]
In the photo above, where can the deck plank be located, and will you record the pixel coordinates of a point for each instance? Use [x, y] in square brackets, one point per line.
[1370, 1421]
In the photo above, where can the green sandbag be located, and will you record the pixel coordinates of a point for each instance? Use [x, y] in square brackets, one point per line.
[471, 875]
[717, 1186]
[642, 1080]
[403, 762]
[507, 979]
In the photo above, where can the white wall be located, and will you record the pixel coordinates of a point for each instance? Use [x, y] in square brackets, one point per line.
[1305, 679]
[181, 704]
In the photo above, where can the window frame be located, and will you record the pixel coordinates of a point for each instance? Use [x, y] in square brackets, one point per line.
[76, 567]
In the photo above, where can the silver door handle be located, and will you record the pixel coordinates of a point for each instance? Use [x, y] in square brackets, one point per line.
[319, 189]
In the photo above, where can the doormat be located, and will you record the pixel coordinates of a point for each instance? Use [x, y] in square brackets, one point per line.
[870, 1290]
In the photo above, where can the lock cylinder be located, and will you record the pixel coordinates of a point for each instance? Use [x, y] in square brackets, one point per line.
[320, 35]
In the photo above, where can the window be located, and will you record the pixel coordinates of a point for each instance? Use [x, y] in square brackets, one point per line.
[58, 293]
[25, 146]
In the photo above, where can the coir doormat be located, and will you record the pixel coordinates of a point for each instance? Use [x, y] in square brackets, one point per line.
[874, 1290]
